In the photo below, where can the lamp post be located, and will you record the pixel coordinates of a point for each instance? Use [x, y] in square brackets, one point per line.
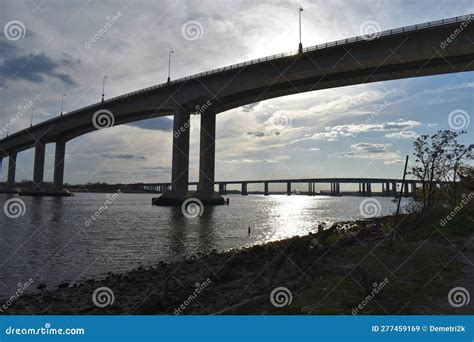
[300, 47]
[169, 66]
[32, 112]
[103, 88]
[62, 104]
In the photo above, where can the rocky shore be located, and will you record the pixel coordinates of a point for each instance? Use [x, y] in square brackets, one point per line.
[346, 269]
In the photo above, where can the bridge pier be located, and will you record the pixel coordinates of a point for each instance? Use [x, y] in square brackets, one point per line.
[265, 188]
[288, 188]
[180, 161]
[406, 190]
[244, 189]
[38, 188]
[59, 155]
[10, 188]
[180, 168]
[38, 168]
[11, 170]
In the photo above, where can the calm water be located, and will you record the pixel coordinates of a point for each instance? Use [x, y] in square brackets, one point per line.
[51, 243]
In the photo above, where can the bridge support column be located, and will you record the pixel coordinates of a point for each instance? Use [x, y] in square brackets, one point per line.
[207, 160]
[288, 188]
[38, 168]
[59, 155]
[11, 170]
[180, 169]
[394, 189]
[244, 189]
[180, 164]
[310, 189]
[207, 152]
[265, 188]
[406, 189]
[369, 189]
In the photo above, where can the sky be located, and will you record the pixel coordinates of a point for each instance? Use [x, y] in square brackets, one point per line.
[355, 131]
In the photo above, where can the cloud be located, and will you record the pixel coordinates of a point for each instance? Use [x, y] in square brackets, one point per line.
[370, 151]
[123, 156]
[403, 135]
[37, 68]
[156, 124]
[334, 132]
[262, 134]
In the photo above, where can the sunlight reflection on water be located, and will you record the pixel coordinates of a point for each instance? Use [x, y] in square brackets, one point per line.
[52, 244]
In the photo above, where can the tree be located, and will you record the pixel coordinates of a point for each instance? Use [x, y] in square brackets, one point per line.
[439, 158]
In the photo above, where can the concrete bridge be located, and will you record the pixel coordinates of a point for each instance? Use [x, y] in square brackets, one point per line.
[413, 51]
[387, 186]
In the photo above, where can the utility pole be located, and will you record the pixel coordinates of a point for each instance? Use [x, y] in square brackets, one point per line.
[398, 203]
[32, 112]
[300, 47]
[62, 104]
[169, 66]
[103, 88]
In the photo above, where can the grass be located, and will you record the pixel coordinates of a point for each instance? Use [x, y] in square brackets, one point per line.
[420, 269]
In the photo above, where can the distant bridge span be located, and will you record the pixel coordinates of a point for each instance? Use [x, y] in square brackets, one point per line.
[412, 51]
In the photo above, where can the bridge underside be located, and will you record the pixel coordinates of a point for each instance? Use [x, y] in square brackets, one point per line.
[404, 54]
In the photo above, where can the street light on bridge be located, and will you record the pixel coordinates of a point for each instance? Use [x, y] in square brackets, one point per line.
[103, 88]
[169, 66]
[62, 104]
[32, 112]
[300, 47]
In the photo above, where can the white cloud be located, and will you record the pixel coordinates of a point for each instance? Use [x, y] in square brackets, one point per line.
[371, 151]
[403, 135]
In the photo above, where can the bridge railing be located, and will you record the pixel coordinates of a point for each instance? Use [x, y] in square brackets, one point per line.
[416, 27]
[441, 22]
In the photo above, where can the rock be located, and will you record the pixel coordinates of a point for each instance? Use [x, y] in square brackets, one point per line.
[41, 286]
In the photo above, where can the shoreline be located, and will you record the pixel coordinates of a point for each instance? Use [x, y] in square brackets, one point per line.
[330, 272]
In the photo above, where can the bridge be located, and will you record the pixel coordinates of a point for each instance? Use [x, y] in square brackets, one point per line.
[413, 51]
[388, 186]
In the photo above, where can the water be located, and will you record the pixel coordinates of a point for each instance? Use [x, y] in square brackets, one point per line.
[51, 243]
